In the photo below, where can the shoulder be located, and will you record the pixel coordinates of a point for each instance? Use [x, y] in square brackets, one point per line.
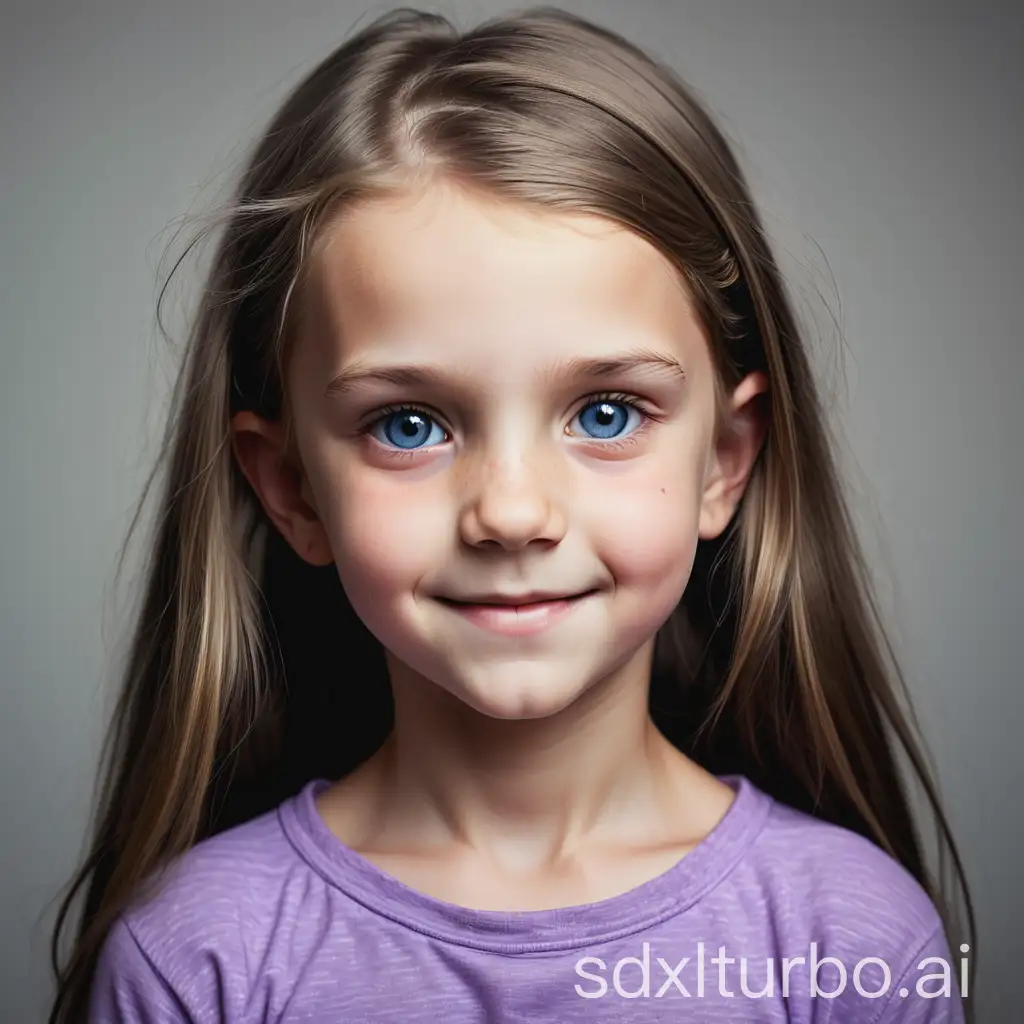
[194, 937]
[835, 874]
[836, 899]
[225, 883]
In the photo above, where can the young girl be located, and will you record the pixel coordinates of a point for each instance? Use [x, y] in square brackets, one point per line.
[506, 654]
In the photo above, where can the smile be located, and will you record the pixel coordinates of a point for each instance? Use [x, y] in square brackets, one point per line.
[510, 618]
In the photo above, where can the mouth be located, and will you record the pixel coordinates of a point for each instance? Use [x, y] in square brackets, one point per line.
[517, 602]
[517, 614]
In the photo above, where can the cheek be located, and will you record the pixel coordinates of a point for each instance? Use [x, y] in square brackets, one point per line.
[645, 529]
[385, 531]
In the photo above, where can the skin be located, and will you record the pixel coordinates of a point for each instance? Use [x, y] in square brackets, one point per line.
[523, 772]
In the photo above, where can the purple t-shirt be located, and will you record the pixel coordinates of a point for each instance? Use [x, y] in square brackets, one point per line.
[276, 920]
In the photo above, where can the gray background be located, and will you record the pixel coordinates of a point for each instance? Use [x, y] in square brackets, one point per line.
[880, 141]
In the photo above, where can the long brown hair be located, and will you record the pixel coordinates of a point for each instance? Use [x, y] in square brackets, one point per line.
[774, 665]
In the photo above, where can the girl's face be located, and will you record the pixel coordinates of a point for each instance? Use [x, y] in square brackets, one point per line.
[495, 408]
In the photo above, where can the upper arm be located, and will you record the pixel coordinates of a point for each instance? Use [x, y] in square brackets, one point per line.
[922, 989]
[128, 989]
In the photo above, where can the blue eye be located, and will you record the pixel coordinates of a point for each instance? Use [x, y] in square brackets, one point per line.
[407, 429]
[411, 429]
[607, 419]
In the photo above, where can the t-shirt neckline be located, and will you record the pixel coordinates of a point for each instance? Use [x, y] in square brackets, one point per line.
[527, 931]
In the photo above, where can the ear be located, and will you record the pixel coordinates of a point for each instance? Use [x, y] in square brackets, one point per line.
[277, 477]
[733, 454]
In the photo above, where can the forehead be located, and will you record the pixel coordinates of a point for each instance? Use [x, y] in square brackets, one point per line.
[447, 266]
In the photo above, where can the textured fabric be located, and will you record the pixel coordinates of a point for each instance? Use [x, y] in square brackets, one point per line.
[278, 921]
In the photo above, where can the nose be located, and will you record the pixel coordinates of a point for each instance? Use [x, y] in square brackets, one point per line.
[510, 507]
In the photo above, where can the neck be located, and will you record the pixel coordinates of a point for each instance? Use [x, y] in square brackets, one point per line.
[528, 792]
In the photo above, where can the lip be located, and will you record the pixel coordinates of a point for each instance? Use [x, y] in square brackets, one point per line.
[515, 600]
[517, 615]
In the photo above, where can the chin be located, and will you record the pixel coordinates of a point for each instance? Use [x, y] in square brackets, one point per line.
[523, 692]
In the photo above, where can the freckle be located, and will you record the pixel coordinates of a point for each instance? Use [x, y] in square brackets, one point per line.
[663, 490]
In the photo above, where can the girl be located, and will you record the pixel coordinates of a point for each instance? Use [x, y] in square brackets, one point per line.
[506, 653]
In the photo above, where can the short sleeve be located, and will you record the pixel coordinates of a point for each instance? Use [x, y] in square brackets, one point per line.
[127, 988]
[928, 990]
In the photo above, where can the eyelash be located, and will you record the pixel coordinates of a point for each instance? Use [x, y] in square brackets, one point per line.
[630, 402]
[619, 398]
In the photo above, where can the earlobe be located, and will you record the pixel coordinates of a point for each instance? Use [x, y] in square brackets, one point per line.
[279, 483]
[733, 456]
[717, 508]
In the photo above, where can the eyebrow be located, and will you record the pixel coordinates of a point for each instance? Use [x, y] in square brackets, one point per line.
[592, 368]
